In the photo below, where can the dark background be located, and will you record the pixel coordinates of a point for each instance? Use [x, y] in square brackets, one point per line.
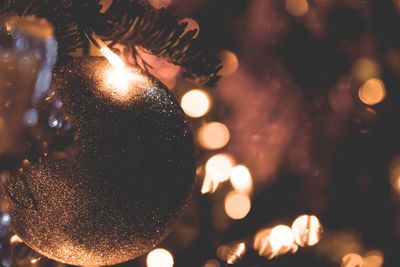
[331, 160]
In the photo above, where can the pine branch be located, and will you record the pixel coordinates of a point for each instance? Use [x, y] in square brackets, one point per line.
[134, 24]
[129, 22]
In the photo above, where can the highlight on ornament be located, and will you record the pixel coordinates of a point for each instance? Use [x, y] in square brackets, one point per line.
[120, 79]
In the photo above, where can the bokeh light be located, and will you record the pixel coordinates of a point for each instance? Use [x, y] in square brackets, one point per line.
[196, 103]
[34, 258]
[211, 182]
[365, 68]
[275, 241]
[372, 92]
[160, 3]
[214, 135]
[281, 237]
[261, 240]
[307, 230]
[297, 8]
[352, 260]
[394, 172]
[230, 62]
[237, 205]
[212, 263]
[160, 258]
[220, 166]
[241, 179]
[15, 239]
[373, 259]
[231, 254]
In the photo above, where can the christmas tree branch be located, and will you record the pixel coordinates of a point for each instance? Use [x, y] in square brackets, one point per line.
[128, 22]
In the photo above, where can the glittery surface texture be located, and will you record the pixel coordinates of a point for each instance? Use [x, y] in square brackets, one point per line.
[117, 191]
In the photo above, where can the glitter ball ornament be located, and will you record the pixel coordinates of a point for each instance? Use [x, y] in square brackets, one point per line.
[118, 189]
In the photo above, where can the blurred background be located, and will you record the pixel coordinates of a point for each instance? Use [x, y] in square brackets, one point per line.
[304, 121]
[298, 144]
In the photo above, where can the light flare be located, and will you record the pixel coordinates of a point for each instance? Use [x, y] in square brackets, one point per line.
[120, 81]
[119, 78]
[115, 60]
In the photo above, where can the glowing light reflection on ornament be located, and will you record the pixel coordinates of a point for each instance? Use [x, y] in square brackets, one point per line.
[121, 80]
[113, 58]
[237, 205]
[160, 258]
